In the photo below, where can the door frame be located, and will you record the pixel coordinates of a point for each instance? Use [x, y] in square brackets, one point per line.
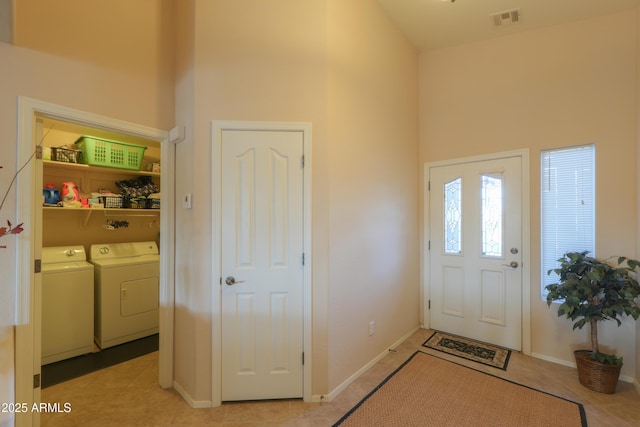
[526, 236]
[217, 126]
[28, 335]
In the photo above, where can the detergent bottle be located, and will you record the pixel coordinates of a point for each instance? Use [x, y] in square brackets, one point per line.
[51, 195]
[69, 192]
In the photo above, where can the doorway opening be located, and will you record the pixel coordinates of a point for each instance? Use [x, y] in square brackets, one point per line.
[36, 119]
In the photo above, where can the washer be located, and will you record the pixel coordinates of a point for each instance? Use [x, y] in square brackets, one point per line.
[127, 282]
[67, 303]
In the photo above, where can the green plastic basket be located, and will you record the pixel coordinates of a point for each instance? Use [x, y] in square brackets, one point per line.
[110, 154]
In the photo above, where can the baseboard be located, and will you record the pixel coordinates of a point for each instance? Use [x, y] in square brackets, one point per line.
[625, 378]
[197, 404]
[554, 360]
[336, 391]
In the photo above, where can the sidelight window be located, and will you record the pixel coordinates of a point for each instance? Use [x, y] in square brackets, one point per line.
[567, 204]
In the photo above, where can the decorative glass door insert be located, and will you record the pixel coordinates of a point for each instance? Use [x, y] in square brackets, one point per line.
[453, 216]
[492, 215]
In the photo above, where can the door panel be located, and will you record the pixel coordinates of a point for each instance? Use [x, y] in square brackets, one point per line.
[453, 299]
[475, 257]
[492, 305]
[262, 246]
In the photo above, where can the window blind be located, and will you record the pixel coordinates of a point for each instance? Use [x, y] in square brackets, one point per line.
[567, 178]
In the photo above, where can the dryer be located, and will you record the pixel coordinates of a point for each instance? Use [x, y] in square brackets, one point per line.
[67, 303]
[127, 282]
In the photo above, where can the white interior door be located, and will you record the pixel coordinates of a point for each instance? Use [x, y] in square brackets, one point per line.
[262, 264]
[475, 252]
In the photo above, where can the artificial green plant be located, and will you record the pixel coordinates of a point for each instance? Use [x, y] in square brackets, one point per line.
[590, 290]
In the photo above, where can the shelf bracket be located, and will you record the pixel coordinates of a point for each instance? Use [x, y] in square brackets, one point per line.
[87, 216]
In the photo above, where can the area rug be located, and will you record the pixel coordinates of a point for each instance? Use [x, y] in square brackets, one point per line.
[429, 391]
[466, 348]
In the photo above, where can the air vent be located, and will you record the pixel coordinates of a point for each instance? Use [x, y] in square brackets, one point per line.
[503, 19]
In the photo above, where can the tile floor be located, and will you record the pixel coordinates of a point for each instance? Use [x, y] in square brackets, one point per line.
[128, 394]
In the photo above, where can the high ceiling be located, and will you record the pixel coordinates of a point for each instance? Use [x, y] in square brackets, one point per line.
[433, 24]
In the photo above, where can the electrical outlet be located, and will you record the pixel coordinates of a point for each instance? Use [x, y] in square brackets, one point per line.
[372, 328]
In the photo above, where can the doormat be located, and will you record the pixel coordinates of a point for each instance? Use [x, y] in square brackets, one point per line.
[429, 391]
[466, 348]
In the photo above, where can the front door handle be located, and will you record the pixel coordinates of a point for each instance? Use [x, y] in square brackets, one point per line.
[230, 280]
[512, 264]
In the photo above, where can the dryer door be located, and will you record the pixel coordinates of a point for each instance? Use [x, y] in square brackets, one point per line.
[138, 296]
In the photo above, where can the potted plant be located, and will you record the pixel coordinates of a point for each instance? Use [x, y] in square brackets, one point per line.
[589, 291]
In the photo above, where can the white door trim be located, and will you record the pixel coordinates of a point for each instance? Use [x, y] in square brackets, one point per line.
[216, 340]
[526, 237]
[27, 361]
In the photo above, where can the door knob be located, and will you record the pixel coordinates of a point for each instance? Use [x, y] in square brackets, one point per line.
[230, 280]
[512, 264]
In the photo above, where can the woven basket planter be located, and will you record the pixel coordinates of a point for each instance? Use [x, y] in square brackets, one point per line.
[594, 375]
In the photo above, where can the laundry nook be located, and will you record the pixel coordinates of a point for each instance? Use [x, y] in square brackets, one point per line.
[100, 246]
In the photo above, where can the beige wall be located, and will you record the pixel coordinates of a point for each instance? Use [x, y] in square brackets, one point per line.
[185, 341]
[234, 65]
[300, 61]
[252, 61]
[131, 37]
[554, 87]
[118, 42]
[373, 185]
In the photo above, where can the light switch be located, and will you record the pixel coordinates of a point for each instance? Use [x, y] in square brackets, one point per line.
[186, 202]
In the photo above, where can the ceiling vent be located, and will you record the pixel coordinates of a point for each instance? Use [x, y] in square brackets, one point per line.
[503, 19]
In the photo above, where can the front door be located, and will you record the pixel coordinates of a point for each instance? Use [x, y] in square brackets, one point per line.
[262, 264]
[475, 250]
